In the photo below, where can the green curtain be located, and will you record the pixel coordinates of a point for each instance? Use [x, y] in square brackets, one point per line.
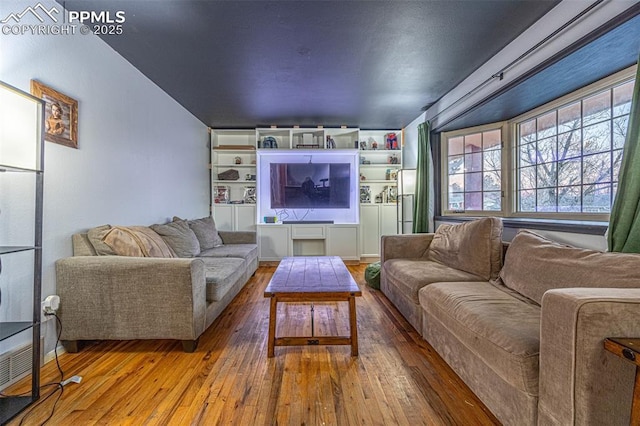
[422, 200]
[624, 222]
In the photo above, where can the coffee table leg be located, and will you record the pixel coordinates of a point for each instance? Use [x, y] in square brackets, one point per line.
[272, 326]
[353, 325]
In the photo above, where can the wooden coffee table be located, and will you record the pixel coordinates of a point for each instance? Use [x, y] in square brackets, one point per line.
[312, 279]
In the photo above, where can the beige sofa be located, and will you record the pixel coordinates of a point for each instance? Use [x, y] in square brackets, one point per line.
[168, 281]
[528, 340]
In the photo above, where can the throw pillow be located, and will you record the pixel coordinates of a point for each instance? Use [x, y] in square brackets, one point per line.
[474, 247]
[179, 237]
[534, 264]
[206, 232]
[95, 236]
[137, 241]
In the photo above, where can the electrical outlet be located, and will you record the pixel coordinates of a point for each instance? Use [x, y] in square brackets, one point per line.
[49, 307]
[43, 311]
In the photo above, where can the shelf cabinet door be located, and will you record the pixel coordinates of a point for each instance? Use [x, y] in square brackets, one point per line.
[370, 230]
[273, 242]
[342, 240]
[388, 219]
[223, 216]
[245, 217]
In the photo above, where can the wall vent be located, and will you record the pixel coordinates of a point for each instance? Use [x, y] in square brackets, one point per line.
[16, 364]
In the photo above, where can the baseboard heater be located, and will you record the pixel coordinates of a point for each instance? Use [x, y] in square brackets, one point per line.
[306, 222]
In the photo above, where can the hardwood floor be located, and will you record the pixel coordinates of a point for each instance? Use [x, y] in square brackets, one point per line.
[397, 379]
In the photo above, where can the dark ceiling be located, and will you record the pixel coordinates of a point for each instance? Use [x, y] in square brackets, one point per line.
[608, 49]
[367, 64]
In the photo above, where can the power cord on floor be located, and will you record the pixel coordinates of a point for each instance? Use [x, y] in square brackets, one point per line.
[59, 386]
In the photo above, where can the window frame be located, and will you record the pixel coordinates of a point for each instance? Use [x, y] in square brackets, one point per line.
[512, 146]
[509, 157]
[444, 187]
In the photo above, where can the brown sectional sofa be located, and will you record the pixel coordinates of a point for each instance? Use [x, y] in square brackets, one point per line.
[527, 338]
[168, 281]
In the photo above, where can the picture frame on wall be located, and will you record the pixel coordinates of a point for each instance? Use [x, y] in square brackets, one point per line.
[60, 117]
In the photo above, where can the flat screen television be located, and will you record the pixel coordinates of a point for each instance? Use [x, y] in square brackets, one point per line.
[310, 185]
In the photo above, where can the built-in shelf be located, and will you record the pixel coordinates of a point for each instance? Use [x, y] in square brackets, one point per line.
[234, 181]
[389, 182]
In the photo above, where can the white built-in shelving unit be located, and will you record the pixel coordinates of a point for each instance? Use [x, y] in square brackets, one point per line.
[380, 158]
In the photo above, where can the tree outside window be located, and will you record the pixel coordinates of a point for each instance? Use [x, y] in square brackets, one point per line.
[474, 163]
[568, 159]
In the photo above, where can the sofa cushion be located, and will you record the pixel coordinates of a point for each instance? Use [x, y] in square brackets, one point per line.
[134, 241]
[221, 274]
[206, 232]
[535, 264]
[502, 329]
[474, 247]
[410, 275]
[179, 237]
[245, 251]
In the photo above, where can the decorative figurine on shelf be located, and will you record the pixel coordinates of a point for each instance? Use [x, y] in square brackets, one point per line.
[372, 143]
[331, 144]
[387, 175]
[362, 177]
[391, 141]
[363, 145]
[238, 160]
[393, 159]
[379, 198]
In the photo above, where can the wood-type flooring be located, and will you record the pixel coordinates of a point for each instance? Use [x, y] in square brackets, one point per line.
[397, 379]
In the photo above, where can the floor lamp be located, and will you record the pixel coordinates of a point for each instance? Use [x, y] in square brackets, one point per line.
[406, 192]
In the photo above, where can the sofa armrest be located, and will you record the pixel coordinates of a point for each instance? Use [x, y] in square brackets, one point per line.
[122, 298]
[238, 237]
[408, 246]
[580, 382]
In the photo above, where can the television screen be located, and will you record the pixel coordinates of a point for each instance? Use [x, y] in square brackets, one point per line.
[310, 186]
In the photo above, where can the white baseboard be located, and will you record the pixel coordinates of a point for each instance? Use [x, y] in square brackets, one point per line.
[51, 356]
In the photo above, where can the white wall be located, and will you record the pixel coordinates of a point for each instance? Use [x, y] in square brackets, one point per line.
[141, 157]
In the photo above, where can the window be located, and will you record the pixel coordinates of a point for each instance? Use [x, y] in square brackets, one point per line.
[560, 161]
[474, 170]
[568, 158]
